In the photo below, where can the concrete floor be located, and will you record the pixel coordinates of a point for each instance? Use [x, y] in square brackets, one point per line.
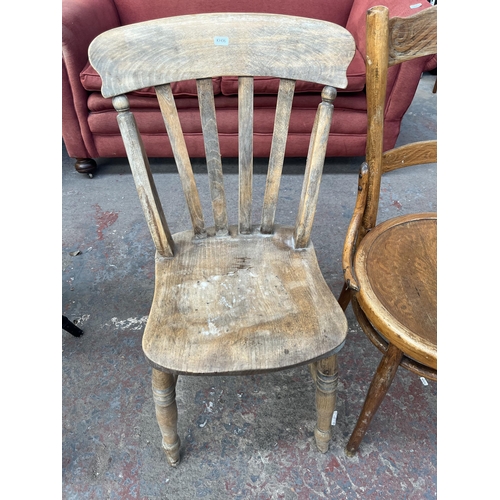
[242, 437]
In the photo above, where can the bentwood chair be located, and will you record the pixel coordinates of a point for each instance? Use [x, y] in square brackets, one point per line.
[390, 269]
[242, 298]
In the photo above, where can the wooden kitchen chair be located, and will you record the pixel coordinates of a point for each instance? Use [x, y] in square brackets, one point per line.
[390, 269]
[232, 299]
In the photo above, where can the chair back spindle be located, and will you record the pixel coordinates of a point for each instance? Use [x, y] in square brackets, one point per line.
[212, 152]
[314, 168]
[143, 179]
[277, 155]
[245, 147]
[181, 155]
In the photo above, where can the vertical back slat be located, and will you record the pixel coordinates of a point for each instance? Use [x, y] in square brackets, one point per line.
[245, 141]
[314, 168]
[212, 151]
[280, 134]
[174, 130]
[143, 179]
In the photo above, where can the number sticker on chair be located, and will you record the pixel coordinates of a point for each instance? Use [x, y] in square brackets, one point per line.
[221, 40]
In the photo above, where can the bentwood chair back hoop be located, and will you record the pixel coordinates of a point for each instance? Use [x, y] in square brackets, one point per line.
[390, 268]
[242, 298]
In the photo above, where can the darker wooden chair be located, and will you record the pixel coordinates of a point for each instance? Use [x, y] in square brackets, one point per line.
[390, 269]
[232, 299]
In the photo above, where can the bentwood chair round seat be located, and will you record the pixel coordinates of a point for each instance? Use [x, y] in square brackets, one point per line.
[395, 303]
[396, 267]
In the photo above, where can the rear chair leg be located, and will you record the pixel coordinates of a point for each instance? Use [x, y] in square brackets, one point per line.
[166, 413]
[381, 382]
[326, 378]
[344, 297]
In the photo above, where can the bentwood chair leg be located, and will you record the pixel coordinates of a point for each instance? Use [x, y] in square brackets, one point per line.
[166, 413]
[325, 376]
[381, 382]
[344, 297]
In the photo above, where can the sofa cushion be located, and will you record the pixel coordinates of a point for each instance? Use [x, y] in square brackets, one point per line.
[355, 102]
[133, 11]
[92, 82]
[103, 119]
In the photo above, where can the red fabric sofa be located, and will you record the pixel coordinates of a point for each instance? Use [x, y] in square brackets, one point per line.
[90, 130]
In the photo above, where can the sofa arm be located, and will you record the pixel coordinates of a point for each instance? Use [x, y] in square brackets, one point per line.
[82, 21]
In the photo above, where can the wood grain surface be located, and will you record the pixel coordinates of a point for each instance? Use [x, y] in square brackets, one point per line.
[181, 155]
[277, 156]
[241, 304]
[413, 37]
[416, 153]
[212, 151]
[144, 182]
[396, 267]
[222, 44]
[245, 152]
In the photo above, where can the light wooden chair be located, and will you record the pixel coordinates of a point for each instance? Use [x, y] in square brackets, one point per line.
[390, 269]
[229, 299]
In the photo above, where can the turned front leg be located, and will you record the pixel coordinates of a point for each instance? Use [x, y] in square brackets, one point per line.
[325, 376]
[166, 413]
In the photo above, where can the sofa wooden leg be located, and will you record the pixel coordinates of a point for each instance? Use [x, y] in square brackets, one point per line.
[85, 166]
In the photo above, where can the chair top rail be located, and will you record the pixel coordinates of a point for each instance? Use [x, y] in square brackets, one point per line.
[412, 37]
[180, 48]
